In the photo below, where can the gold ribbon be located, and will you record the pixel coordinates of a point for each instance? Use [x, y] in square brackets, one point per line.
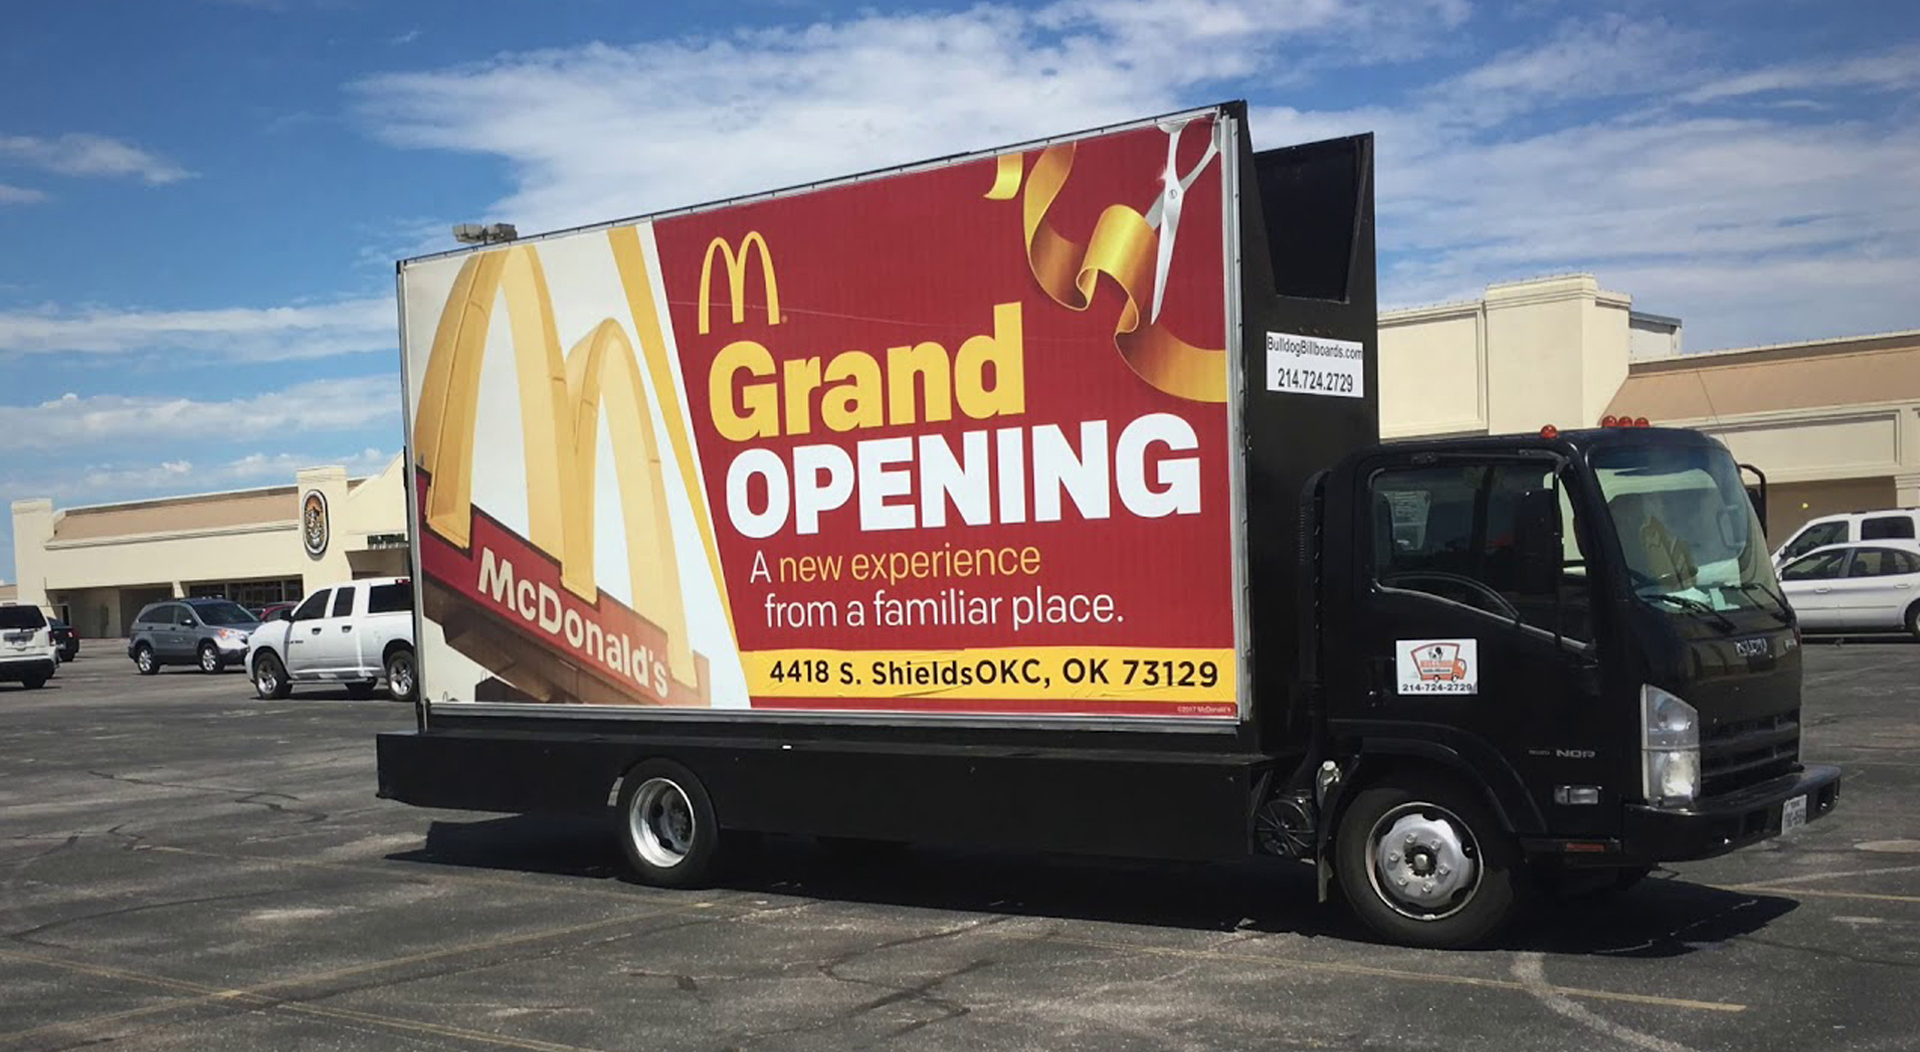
[1123, 248]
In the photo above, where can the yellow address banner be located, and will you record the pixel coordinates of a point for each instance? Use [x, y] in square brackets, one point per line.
[1127, 676]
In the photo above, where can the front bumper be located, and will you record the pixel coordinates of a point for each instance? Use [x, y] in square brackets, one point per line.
[1727, 823]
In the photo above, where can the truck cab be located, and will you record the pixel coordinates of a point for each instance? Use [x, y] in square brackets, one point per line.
[1583, 627]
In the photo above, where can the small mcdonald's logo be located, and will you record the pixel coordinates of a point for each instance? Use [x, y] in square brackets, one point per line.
[735, 263]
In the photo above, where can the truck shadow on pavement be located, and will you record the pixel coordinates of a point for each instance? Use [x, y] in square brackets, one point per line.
[1663, 917]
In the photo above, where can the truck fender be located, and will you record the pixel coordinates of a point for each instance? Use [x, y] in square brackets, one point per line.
[1497, 780]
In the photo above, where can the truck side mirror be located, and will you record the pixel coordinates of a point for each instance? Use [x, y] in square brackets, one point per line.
[284, 615]
[1537, 542]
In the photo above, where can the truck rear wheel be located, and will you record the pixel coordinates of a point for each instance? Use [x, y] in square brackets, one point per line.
[1424, 862]
[403, 676]
[667, 825]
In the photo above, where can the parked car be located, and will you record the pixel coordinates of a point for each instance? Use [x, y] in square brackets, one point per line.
[1866, 587]
[66, 637]
[1892, 524]
[27, 653]
[271, 611]
[358, 634]
[210, 633]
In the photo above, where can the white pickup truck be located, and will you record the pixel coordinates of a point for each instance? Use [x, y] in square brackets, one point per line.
[358, 634]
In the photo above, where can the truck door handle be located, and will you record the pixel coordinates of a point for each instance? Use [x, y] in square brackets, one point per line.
[316, 630]
[346, 628]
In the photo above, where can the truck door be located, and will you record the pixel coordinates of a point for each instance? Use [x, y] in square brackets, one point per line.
[1473, 628]
[304, 655]
[336, 648]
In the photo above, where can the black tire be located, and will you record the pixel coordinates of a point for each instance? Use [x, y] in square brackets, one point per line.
[363, 689]
[1913, 620]
[270, 676]
[34, 682]
[144, 660]
[667, 826]
[208, 658]
[1629, 878]
[1449, 826]
[403, 675]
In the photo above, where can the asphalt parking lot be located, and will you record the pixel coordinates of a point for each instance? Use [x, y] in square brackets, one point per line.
[187, 867]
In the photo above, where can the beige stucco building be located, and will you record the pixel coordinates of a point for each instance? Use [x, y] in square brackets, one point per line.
[97, 566]
[1835, 424]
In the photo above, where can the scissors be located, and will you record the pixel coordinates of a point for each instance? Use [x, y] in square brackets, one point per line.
[1164, 216]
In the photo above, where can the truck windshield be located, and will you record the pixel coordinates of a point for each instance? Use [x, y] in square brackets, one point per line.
[1692, 542]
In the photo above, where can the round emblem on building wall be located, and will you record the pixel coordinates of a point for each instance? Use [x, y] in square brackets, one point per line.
[315, 531]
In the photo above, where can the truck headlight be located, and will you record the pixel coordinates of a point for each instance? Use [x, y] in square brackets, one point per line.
[1669, 749]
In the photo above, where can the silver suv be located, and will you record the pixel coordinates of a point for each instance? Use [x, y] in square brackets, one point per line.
[210, 633]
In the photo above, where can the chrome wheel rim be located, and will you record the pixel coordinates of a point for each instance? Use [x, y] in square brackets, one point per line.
[266, 680]
[660, 820]
[401, 675]
[1423, 861]
[143, 659]
[209, 661]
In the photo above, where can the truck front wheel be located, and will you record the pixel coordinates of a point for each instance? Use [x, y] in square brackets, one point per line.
[667, 825]
[1424, 862]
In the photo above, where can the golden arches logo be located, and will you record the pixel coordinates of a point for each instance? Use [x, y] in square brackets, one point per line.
[563, 398]
[736, 268]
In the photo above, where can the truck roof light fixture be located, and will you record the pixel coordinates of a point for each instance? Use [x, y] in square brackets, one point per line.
[1549, 431]
[1641, 421]
[1609, 421]
[490, 234]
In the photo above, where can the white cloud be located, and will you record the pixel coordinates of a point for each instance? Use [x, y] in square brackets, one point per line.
[1891, 70]
[78, 153]
[20, 195]
[99, 420]
[1639, 148]
[270, 470]
[106, 481]
[600, 131]
[247, 333]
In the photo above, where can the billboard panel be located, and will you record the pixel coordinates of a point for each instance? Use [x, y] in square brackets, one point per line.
[950, 440]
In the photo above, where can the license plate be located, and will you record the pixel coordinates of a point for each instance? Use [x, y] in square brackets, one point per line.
[1793, 814]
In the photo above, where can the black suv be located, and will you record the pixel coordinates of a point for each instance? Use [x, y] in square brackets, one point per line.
[210, 633]
[64, 637]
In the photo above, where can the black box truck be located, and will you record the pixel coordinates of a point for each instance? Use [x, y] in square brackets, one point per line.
[1033, 499]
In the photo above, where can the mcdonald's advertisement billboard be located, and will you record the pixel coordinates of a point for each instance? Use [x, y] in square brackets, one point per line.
[947, 440]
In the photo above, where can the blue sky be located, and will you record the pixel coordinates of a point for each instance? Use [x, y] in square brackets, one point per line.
[201, 202]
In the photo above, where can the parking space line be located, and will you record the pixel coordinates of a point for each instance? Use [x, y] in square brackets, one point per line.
[422, 872]
[1868, 896]
[258, 993]
[1835, 875]
[1393, 973]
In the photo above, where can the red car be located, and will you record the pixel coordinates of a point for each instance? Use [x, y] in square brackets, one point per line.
[273, 610]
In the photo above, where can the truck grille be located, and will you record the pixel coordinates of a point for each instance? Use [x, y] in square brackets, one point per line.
[1737, 755]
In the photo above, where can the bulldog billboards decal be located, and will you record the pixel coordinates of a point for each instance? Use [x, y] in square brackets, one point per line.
[949, 440]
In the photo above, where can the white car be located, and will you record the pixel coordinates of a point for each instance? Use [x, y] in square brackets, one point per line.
[358, 634]
[27, 651]
[1872, 586]
[1892, 524]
